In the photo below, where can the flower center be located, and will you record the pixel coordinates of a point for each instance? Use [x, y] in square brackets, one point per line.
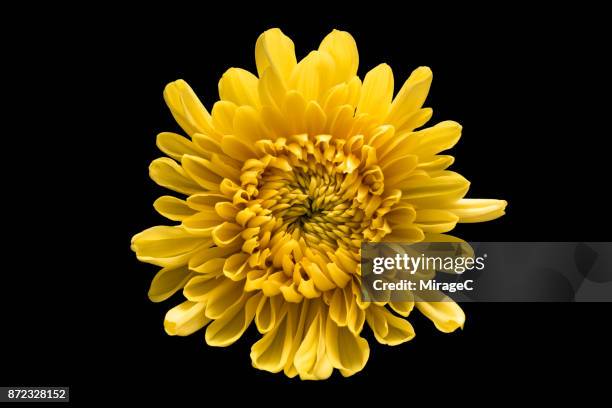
[307, 206]
[313, 204]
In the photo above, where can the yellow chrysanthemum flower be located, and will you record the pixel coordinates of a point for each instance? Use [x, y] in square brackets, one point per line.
[291, 171]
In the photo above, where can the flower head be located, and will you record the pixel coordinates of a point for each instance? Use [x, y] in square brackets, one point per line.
[284, 178]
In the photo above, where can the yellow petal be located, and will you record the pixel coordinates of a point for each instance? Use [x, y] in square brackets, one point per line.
[205, 201]
[380, 137]
[340, 277]
[223, 297]
[240, 87]
[343, 49]
[225, 167]
[387, 328]
[294, 112]
[226, 210]
[240, 196]
[173, 208]
[272, 89]
[354, 88]
[272, 351]
[167, 173]
[200, 170]
[340, 304]
[187, 109]
[410, 98]
[176, 146]
[403, 308]
[408, 233]
[315, 118]
[346, 351]
[297, 333]
[416, 120]
[435, 139]
[340, 122]
[345, 259]
[319, 277]
[223, 119]
[398, 170]
[164, 242]
[310, 360]
[291, 294]
[437, 221]
[313, 75]
[447, 316]
[401, 215]
[424, 143]
[185, 319]
[334, 97]
[212, 266]
[237, 148]
[226, 233]
[274, 49]
[478, 210]
[208, 144]
[356, 317]
[376, 92]
[167, 282]
[248, 125]
[199, 287]
[268, 313]
[436, 163]
[276, 125]
[202, 223]
[235, 267]
[230, 326]
[436, 192]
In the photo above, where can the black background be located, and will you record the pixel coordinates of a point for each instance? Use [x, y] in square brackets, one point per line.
[525, 85]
